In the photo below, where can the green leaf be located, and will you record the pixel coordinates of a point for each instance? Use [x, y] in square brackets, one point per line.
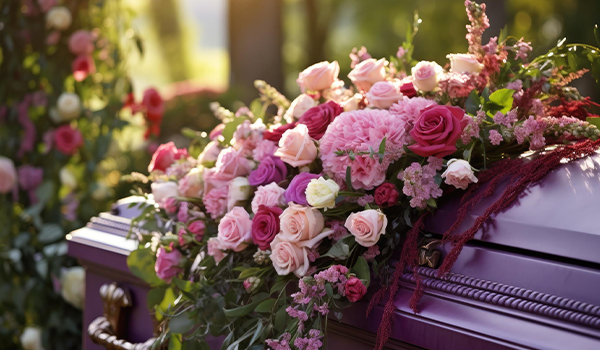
[280, 319]
[503, 34]
[361, 269]
[472, 104]
[339, 250]
[154, 297]
[349, 180]
[50, 233]
[266, 306]
[431, 202]
[181, 323]
[242, 310]
[503, 98]
[256, 107]
[257, 334]
[141, 263]
[230, 129]
[253, 271]
[597, 34]
[175, 342]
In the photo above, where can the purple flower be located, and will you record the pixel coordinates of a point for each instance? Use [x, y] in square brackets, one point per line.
[271, 169]
[30, 178]
[296, 191]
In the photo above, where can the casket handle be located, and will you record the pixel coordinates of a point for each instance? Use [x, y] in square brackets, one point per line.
[106, 330]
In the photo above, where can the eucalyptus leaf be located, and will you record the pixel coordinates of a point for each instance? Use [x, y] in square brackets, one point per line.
[266, 305]
[50, 233]
[181, 323]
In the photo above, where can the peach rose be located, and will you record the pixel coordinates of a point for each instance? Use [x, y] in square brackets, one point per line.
[367, 73]
[383, 94]
[459, 174]
[367, 226]
[235, 230]
[298, 107]
[319, 76]
[302, 225]
[296, 147]
[426, 75]
[288, 257]
[464, 63]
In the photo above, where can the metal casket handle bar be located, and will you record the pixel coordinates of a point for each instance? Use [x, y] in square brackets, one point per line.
[105, 330]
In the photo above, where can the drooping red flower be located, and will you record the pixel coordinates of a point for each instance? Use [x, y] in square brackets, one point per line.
[275, 135]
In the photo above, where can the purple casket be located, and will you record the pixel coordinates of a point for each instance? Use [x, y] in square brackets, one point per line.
[529, 280]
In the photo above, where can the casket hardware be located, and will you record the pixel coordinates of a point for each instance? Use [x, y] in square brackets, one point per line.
[428, 254]
[106, 330]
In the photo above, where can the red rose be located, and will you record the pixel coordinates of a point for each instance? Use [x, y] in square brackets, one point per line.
[437, 130]
[355, 290]
[265, 225]
[165, 155]
[408, 90]
[275, 135]
[386, 194]
[153, 104]
[82, 67]
[67, 139]
[318, 118]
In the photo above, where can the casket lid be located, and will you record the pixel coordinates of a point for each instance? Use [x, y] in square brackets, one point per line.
[558, 216]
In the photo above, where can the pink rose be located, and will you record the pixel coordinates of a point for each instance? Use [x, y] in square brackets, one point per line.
[235, 230]
[216, 132]
[192, 184]
[82, 67]
[270, 195]
[459, 174]
[164, 190]
[426, 75]
[210, 153]
[383, 94]
[231, 164]
[319, 76]
[298, 107]
[436, 131]
[81, 42]
[317, 119]
[165, 155]
[302, 225]
[197, 228]
[367, 73]
[367, 226]
[215, 249]
[67, 139]
[8, 175]
[288, 257]
[167, 264]
[355, 289]
[153, 105]
[296, 147]
[265, 225]
[464, 63]
[386, 195]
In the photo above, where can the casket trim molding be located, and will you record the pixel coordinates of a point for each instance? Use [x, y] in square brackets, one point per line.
[511, 297]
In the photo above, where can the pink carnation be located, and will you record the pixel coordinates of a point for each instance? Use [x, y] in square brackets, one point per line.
[215, 201]
[409, 109]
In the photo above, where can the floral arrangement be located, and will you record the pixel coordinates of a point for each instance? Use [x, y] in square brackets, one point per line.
[63, 87]
[283, 218]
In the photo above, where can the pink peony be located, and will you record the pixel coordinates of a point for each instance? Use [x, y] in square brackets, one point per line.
[81, 42]
[235, 230]
[215, 201]
[383, 94]
[82, 67]
[437, 130]
[67, 139]
[296, 147]
[319, 76]
[8, 175]
[231, 164]
[270, 195]
[165, 155]
[359, 131]
[167, 264]
[367, 73]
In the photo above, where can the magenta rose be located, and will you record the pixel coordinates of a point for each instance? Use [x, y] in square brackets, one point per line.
[265, 225]
[386, 195]
[153, 104]
[296, 191]
[408, 89]
[167, 264]
[67, 139]
[165, 155]
[318, 118]
[355, 289]
[275, 135]
[437, 130]
[82, 67]
[271, 169]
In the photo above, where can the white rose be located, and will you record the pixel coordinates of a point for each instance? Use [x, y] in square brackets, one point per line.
[239, 191]
[298, 107]
[163, 190]
[210, 153]
[464, 63]
[459, 174]
[31, 338]
[321, 193]
[426, 75]
[72, 286]
[67, 178]
[68, 106]
[59, 18]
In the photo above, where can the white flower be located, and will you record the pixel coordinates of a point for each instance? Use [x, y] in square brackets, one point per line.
[426, 75]
[464, 63]
[68, 107]
[298, 107]
[321, 193]
[459, 174]
[31, 338]
[72, 286]
[163, 190]
[239, 191]
[59, 18]
[67, 178]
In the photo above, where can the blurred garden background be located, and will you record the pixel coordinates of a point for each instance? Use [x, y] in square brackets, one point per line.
[153, 69]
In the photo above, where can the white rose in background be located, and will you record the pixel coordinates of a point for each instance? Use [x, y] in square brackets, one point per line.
[239, 191]
[298, 107]
[383, 94]
[163, 190]
[426, 75]
[367, 226]
[367, 73]
[459, 174]
[72, 286]
[67, 178]
[68, 107]
[59, 18]
[464, 63]
[31, 338]
[8, 175]
[321, 193]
